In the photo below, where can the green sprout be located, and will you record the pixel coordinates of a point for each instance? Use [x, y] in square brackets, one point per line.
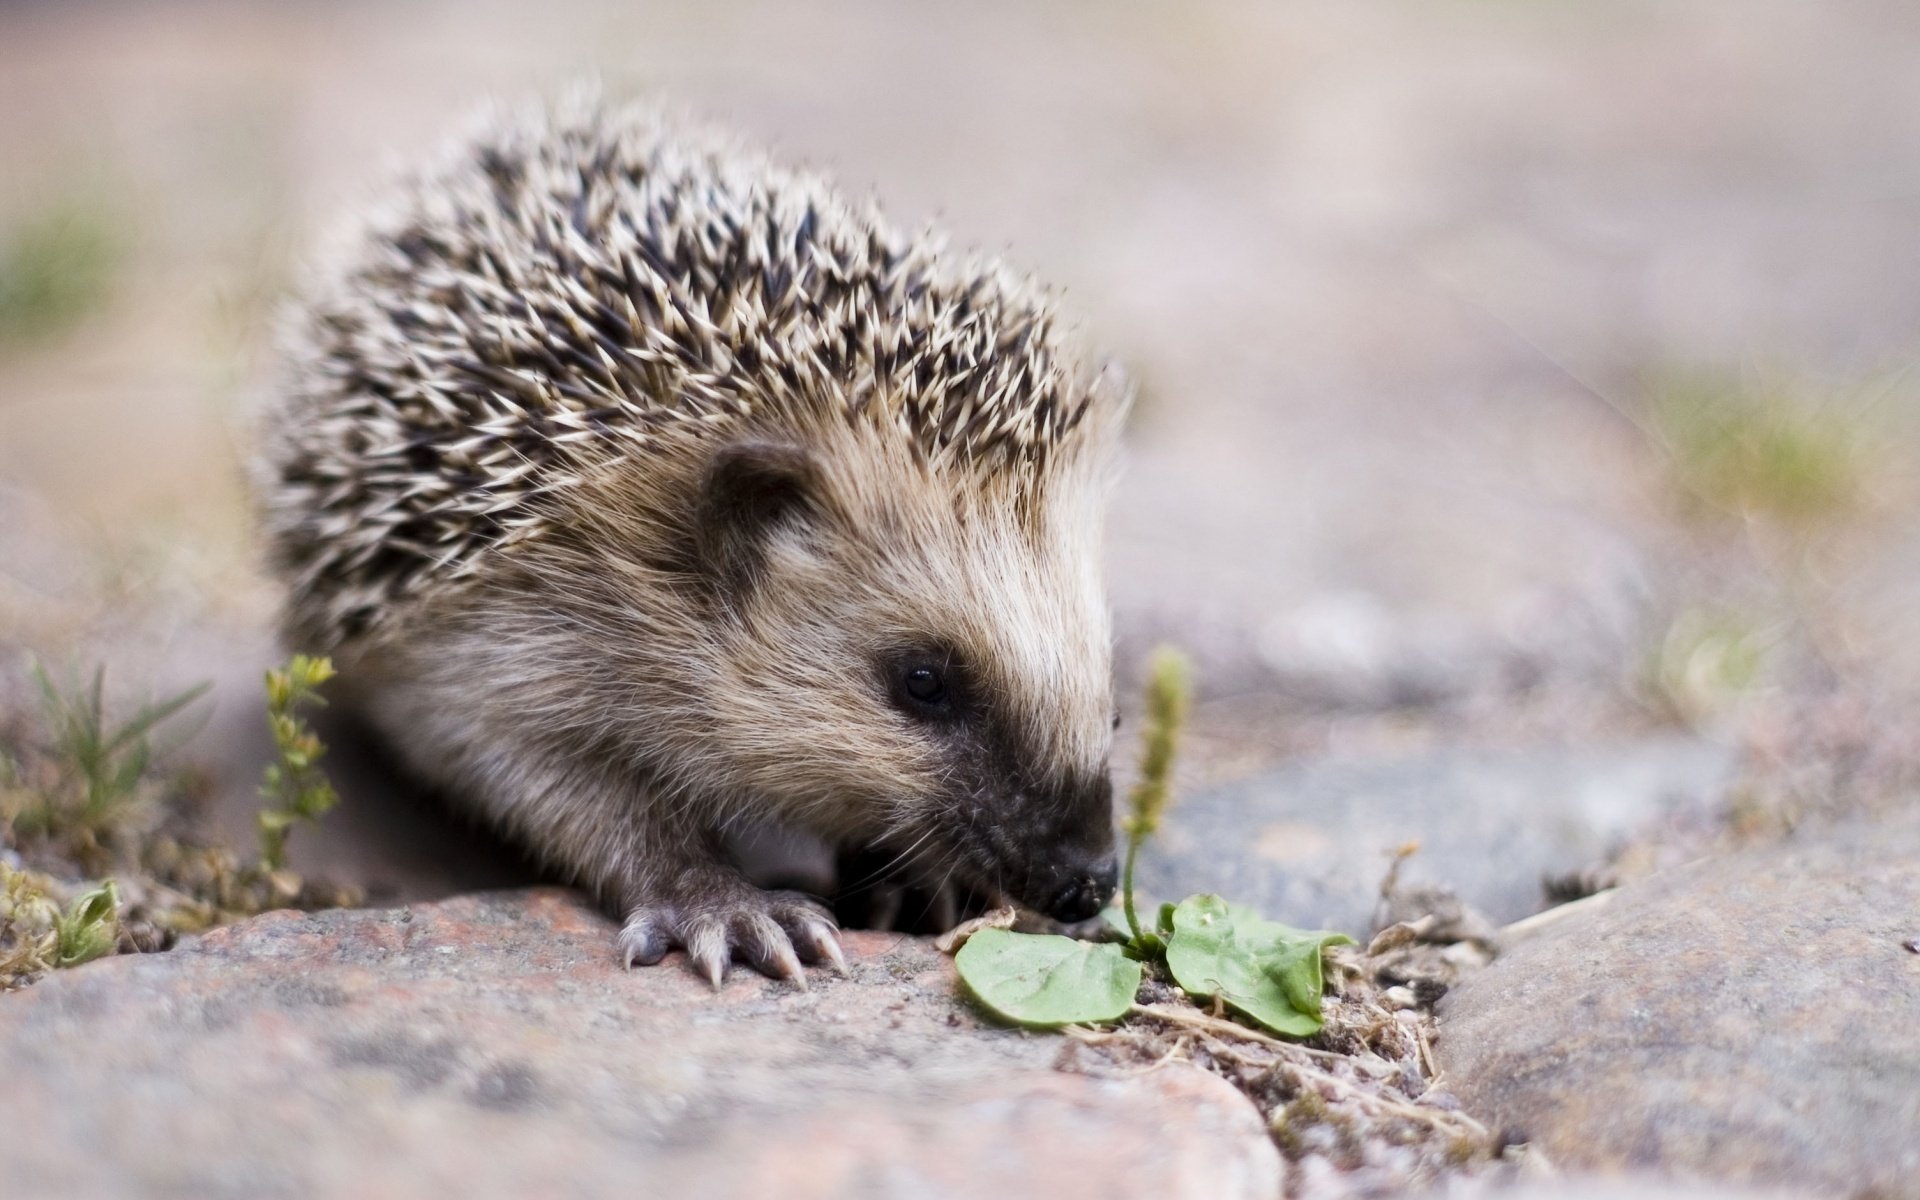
[89, 928]
[295, 788]
[37, 935]
[1169, 696]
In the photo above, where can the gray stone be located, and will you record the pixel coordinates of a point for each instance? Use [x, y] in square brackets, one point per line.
[1754, 1019]
[1624, 1187]
[489, 1045]
[1309, 843]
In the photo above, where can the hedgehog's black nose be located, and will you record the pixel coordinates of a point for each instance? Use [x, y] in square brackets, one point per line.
[1085, 892]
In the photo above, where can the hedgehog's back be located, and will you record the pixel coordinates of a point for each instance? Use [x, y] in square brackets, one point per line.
[559, 289]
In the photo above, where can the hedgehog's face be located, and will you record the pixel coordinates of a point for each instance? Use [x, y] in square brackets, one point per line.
[920, 665]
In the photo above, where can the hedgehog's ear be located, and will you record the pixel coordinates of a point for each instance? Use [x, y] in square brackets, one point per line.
[751, 487]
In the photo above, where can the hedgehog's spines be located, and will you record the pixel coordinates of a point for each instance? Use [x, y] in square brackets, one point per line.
[568, 285]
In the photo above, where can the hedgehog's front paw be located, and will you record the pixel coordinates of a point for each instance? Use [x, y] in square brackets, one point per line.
[774, 931]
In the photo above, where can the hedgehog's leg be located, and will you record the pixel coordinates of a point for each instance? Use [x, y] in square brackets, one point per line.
[703, 905]
[672, 883]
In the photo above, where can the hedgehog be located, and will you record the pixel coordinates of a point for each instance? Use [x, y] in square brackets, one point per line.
[647, 493]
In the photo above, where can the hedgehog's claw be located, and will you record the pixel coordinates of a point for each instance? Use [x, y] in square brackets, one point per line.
[707, 947]
[819, 941]
[814, 935]
[769, 948]
[644, 942]
[774, 931]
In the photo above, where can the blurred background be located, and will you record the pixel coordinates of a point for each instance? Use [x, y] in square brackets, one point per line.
[1512, 375]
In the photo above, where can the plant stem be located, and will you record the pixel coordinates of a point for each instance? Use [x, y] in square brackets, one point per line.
[1169, 693]
[1135, 836]
[295, 788]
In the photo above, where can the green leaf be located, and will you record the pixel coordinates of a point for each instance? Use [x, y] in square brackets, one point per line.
[1164, 923]
[89, 927]
[144, 721]
[1268, 971]
[97, 905]
[1045, 980]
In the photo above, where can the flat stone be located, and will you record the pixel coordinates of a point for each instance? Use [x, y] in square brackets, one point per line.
[489, 1045]
[1309, 843]
[1754, 1019]
[1624, 1187]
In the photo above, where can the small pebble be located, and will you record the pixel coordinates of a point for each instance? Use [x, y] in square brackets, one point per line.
[1398, 998]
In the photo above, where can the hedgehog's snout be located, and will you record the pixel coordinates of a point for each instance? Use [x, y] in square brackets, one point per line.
[1072, 870]
[1084, 890]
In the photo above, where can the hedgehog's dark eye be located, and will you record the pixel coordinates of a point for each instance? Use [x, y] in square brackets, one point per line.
[923, 685]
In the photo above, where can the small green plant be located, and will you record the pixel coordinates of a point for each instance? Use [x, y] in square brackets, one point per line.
[56, 266]
[98, 769]
[37, 935]
[1761, 448]
[1262, 969]
[88, 928]
[295, 789]
[1268, 972]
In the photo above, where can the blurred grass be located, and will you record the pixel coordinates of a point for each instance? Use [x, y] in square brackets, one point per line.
[57, 266]
[1764, 448]
[98, 777]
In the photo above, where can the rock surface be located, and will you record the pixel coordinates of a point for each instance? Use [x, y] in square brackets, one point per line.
[489, 1046]
[1625, 1187]
[1750, 1019]
[1309, 843]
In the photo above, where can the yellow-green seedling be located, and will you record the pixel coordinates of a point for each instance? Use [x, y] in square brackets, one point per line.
[37, 935]
[295, 788]
[89, 927]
